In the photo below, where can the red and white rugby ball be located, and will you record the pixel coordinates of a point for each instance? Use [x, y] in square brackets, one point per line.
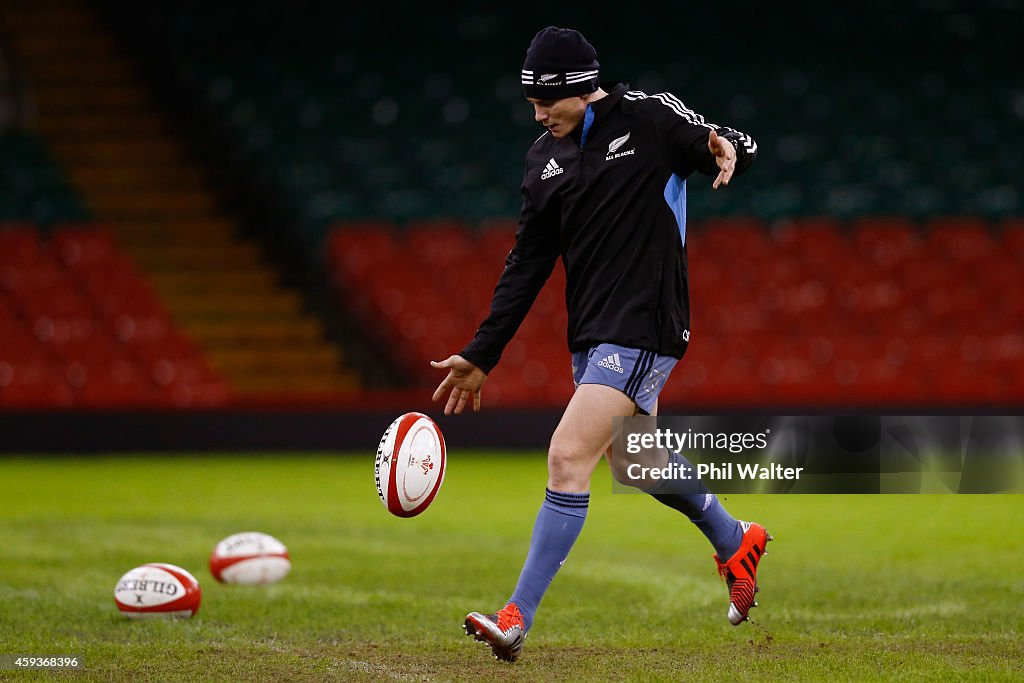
[250, 558]
[410, 464]
[157, 590]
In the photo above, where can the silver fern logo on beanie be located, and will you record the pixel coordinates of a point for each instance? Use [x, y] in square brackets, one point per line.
[559, 63]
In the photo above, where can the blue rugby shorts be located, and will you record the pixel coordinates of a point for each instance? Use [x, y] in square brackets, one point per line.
[641, 375]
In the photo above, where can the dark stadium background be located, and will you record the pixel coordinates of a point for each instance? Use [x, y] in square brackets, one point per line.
[228, 225]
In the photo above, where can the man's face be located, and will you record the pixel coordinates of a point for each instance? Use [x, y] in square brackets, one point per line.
[560, 117]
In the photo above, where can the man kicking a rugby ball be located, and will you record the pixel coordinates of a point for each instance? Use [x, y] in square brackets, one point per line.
[605, 189]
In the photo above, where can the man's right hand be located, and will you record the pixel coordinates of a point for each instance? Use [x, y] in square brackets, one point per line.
[464, 379]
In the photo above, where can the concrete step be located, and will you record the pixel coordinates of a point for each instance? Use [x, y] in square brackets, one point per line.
[256, 281]
[229, 304]
[51, 71]
[126, 152]
[32, 44]
[239, 361]
[102, 98]
[156, 203]
[65, 124]
[146, 235]
[295, 383]
[213, 256]
[89, 178]
[279, 331]
[35, 16]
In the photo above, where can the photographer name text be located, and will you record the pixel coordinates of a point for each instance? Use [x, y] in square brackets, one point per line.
[725, 471]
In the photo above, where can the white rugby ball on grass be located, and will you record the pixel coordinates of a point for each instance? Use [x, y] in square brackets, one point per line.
[157, 590]
[410, 465]
[250, 558]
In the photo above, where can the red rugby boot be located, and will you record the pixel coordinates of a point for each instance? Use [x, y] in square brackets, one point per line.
[740, 571]
[504, 631]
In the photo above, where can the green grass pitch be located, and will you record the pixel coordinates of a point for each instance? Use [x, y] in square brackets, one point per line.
[855, 587]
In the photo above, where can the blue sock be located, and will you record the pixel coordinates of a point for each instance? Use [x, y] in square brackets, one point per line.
[702, 507]
[558, 524]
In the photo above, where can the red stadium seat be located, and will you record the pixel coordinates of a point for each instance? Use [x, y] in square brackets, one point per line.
[1013, 238]
[117, 383]
[886, 242]
[439, 246]
[20, 346]
[62, 301]
[965, 239]
[495, 241]
[817, 241]
[19, 244]
[731, 383]
[924, 276]
[204, 393]
[77, 246]
[33, 385]
[740, 242]
[355, 250]
[1001, 274]
[36, 275]
[131, 327]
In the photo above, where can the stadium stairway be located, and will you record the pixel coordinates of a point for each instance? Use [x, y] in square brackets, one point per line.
[136, 179]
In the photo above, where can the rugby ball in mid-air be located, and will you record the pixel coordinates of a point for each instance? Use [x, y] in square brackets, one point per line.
[410, 465]
[250, 558]
[157, 590]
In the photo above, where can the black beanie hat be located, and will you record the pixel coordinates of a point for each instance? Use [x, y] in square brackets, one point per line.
[559, 63]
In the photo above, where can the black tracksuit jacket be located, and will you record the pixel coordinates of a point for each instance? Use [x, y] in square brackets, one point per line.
[610, 200]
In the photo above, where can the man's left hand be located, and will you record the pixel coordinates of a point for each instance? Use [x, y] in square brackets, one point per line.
[725, 157]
